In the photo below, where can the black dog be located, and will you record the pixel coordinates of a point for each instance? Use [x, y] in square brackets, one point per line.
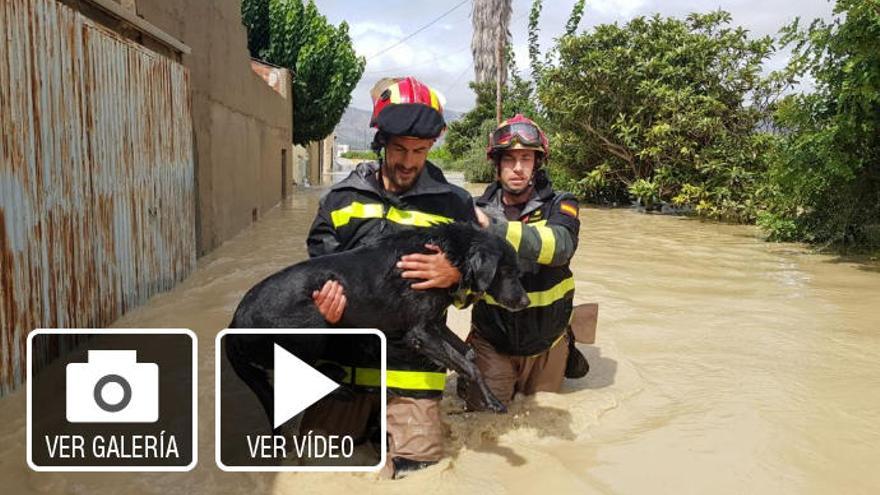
[377, 297]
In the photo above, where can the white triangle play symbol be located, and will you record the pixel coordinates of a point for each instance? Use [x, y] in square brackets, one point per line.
[297, 386]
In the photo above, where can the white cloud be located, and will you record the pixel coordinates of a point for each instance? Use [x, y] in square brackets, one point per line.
[439, 55]
[621, 9]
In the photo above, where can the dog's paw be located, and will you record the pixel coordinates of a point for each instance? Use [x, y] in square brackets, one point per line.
[495, 405]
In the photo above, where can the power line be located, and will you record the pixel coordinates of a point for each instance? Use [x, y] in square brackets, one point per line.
[419, 30]
[407, 67]
[458, 77]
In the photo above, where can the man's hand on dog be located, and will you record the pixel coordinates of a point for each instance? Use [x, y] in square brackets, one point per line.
[330, 301]
[482, 218]
[434, 269]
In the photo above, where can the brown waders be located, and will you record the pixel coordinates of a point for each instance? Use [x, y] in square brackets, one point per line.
[508, 375]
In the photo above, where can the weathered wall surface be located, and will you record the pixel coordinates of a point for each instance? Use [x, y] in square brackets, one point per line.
[97, 198]
[242, 126]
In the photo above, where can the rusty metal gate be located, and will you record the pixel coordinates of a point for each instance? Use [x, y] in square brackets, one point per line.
[97, 191]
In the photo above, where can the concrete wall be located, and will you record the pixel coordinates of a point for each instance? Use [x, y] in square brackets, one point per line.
[328, 154]
[313, 161]
[243, 128]
[300, 164]
[320, 155]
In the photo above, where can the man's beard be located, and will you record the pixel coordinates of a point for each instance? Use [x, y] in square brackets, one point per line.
[392, 172]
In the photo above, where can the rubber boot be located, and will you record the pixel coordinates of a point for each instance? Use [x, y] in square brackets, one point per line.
[404, 466]
[576, 366]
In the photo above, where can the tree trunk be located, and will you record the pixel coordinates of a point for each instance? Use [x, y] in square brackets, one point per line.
[490, 20]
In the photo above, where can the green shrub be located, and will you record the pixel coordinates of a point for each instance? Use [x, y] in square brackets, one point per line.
[663, 111]
[359, 155]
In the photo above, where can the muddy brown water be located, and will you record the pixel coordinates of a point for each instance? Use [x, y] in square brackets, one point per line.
[723, 364]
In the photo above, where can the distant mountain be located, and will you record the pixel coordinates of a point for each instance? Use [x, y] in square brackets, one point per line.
[354, 128]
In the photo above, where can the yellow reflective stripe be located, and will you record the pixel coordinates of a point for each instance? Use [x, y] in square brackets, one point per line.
[415, 218]
[548, 244]
[415, 380]
[514, 234]
[403, 379]
[542, 298]
[368, 377]
[409, 380]
[342, 216]
[347, 369]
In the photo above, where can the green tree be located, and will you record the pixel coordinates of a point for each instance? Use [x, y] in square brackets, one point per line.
[325, 66]
[461, 134]
[664, 110]
[255, 17]
[463, 131]
[825, 174]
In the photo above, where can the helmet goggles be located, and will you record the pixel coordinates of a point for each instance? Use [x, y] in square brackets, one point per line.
[518, 132]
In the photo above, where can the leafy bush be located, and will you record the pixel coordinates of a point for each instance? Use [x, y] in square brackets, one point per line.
[662, 110]
[824, 179]
[473, 162]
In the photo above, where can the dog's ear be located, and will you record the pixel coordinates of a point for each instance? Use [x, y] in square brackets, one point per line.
[481, 267]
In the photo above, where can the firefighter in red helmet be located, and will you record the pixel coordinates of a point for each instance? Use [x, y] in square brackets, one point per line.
[531, 350]
[408, 116]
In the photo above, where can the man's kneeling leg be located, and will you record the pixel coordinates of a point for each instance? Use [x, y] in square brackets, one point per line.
[416, 435]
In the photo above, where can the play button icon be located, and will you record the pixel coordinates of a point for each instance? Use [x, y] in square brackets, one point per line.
[297, 386]
[300, 399]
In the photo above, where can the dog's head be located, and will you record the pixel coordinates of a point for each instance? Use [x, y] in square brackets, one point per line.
[491, 267]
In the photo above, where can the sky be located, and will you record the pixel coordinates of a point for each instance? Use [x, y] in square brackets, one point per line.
[440, 55]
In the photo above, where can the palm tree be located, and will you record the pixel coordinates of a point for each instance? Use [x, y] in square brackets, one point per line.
[491, 21]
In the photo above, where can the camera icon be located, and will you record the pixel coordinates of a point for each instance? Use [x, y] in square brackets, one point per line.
[112, 387]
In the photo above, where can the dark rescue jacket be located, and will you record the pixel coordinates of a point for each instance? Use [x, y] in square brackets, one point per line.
[358, 210]
[545, 238]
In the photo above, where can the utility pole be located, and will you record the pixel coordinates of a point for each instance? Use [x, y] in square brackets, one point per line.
[499, 59]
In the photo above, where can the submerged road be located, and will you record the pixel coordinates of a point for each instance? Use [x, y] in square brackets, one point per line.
[723, 364]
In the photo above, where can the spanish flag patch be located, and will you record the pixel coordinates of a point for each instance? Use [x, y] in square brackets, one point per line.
[569, 208]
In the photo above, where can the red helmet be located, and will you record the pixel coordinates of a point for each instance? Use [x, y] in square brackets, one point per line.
[404, 106]
[517, 133]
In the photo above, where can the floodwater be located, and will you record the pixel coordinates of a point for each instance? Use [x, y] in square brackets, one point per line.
[723, 364]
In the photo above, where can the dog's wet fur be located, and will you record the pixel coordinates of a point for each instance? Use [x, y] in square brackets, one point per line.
[377, 297]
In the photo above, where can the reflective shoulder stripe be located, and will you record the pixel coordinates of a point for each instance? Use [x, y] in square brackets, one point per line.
[514, 234]
[415, 218]
[542, 298]
[548, 244]
[344, 215]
